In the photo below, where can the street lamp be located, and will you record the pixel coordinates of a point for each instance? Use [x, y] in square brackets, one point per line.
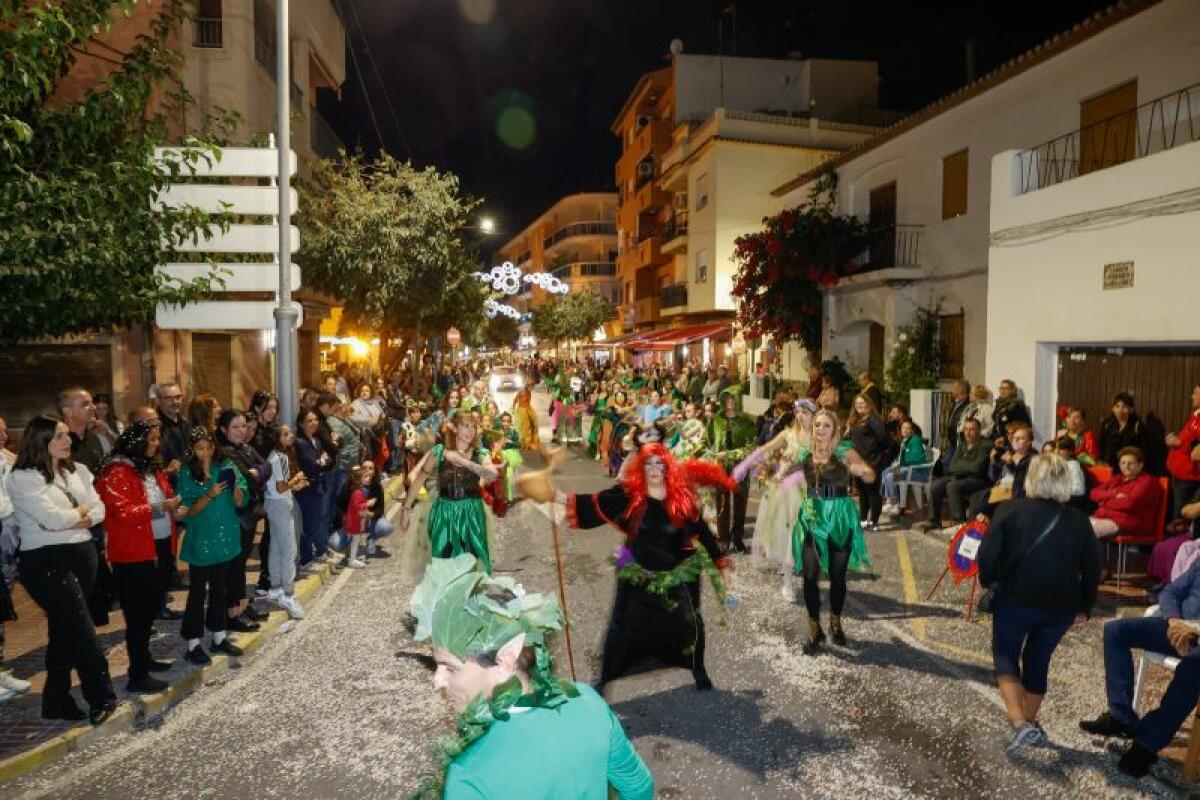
[487, 226]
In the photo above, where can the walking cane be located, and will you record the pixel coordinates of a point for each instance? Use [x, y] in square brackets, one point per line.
[562, 594]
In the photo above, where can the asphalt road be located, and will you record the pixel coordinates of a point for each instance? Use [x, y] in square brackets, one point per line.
[342, 705]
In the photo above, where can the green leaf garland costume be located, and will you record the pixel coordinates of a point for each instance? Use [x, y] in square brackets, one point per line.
[828, 519]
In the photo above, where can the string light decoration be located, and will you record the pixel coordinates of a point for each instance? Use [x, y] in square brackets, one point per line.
[506, 280]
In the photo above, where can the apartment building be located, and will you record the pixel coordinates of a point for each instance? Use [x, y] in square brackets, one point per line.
[576, 240]
[704, 143]
[925, 187]
[228, 51]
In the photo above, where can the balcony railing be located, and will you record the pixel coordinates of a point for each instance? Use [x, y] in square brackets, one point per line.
[599, 228]
[674, 296]
[891, 246]
[1161, 124]
[676, 226]
[597, 269]
[325, 141]
[208, 32]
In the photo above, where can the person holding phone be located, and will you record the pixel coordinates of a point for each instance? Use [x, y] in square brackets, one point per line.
[233, 441]
[315, 458]
[212, 492]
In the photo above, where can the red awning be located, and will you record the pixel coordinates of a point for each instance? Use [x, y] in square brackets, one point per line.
[671, 338]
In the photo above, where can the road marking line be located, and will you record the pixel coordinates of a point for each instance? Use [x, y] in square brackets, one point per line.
[910, 583]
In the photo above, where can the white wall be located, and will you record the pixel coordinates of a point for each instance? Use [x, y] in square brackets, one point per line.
[1160, 47]
[1045, 287]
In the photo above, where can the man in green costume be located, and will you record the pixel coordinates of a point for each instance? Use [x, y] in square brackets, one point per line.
[521, 731]
[729, 438]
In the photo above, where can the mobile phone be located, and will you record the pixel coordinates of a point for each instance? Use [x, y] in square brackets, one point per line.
[228, 477]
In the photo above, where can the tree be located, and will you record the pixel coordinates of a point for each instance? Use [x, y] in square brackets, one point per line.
[785, 268]
[917, 354]
[387, 239]
[79, 233]
[501, 331]
[572, 316]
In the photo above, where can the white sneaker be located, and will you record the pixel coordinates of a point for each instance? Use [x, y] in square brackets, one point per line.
[891, 509]
[291, 605]
[6, 694]
[356, 563]
[274, 595]
[1026, 735]
[12, 683]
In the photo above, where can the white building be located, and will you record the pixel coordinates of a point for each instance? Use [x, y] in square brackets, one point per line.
[924, 186]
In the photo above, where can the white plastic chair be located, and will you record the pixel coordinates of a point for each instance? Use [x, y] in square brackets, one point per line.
[920, 489]
[1165, 661]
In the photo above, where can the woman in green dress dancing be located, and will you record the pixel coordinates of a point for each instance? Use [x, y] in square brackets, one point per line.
[827, 536]
[457, 520]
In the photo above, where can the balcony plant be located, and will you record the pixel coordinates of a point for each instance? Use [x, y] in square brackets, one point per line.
[785, 268]
[917, 354]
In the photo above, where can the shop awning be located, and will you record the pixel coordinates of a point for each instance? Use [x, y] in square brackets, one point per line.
[671, 338]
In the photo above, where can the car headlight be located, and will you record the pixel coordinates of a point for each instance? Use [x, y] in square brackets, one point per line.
[519, 381]
[494, 382]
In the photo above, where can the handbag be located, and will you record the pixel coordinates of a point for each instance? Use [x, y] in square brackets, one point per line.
[987, 600]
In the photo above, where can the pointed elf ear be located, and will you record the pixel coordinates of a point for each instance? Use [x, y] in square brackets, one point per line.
[507, 655]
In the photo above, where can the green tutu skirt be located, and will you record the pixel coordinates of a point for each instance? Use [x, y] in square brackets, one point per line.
[829, 520]
[445, 528]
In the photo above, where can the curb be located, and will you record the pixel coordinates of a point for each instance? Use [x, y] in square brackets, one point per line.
[135, 709]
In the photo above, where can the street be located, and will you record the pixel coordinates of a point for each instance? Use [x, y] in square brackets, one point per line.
[342, 704]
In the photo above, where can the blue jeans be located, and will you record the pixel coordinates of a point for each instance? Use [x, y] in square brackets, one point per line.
[379, 529]
[1155, 730]
[1023, 640]
[312, 512]
[396, 458]
[892, 474]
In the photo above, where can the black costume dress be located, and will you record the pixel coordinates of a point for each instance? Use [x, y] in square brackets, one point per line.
[649, 630]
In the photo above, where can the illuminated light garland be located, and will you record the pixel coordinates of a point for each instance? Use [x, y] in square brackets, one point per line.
[506, 279]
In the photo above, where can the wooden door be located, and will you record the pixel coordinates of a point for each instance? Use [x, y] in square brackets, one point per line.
[1160, 380]
[1108, 128]
[882, 224]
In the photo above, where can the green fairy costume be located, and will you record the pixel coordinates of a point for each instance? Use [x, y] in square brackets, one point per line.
[548, 739]
[593, 439]
[828, 513]
[458, 522]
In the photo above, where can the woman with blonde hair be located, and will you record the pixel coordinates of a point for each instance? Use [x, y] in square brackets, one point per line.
[1044, 564]
[827, 536]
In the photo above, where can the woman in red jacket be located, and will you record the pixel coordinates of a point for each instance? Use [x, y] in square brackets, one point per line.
[1128, 501]
[139, 508]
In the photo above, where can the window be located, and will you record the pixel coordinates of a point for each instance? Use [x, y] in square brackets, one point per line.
[950, 336]
[701, 266]
[954, 185]
[208, 27]
[702, 191]
[264, 36]
[1108, 128]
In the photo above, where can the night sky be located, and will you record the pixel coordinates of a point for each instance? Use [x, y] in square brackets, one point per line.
[552, 74]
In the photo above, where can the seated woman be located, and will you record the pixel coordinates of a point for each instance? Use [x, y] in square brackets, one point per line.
[912, 453]
[1007, 471]
[1127, 503]
[1075, 428]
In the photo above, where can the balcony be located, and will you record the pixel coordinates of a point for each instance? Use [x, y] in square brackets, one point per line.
[1166, 122]
[594, 228]
[597, 269]
[325, 141]
[674, 233]
[675, 296]
[655, 137]
[891, 247]
[208, 32]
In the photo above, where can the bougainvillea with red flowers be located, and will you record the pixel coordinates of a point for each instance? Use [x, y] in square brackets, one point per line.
[785, 268]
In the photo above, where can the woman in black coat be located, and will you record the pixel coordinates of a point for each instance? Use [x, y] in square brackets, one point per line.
[867, 430]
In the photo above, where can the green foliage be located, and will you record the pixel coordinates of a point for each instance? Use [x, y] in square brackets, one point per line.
[917, 355]
[785, 268]
[501, 331]
[78, 232]
[575, 315]
[387, 239]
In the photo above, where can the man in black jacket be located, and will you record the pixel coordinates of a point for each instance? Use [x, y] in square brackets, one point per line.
[961, 393]
[174, 428]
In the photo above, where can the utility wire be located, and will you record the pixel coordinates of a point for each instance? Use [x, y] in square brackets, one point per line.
[366, 94]
[387, 99]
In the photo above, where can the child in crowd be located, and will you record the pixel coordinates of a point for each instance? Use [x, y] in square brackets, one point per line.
[378, 525]
[358, 511]
[912, 453]
[284, 477]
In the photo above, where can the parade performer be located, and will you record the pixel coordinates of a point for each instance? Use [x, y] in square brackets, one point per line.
[827, 536]
[779, 505]
[455, 520]
[599, 404]
[521, 730]
[525, 420]
[510, 452]
[689, 434]
[621, 414]
[729, 437]
[668, 548]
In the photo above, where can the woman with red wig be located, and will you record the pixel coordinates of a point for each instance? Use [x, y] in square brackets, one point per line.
[668, 547]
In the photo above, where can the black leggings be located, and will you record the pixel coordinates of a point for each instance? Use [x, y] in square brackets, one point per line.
[870, 501]
[839, 561]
